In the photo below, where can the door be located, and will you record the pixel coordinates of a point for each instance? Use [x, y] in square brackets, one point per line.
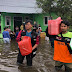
[17, 22]
[26, 18]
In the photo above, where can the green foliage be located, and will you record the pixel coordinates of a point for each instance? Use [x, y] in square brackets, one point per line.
[46, 5]
[62, 8]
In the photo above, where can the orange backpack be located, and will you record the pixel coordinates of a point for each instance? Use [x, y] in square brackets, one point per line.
[25, 46]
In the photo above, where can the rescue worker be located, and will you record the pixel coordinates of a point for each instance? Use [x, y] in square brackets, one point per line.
[62, 50]
[34, 41]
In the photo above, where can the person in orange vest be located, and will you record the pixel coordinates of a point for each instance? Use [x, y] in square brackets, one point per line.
[62, 50]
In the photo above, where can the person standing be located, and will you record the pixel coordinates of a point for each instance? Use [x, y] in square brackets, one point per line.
[17, 33]
[35, 24]
[62, 50]
[51, 37]
[9, 30]
[17, 28]
[47, 35]
[22, 27]
[6, 36]
[34, 41]
[39, 27]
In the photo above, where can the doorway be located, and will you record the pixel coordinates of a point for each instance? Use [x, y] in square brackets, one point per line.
[0, 22]
[26, 18]
[17, 22]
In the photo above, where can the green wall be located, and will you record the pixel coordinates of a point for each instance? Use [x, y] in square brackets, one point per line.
[12, 16]
[39, 18]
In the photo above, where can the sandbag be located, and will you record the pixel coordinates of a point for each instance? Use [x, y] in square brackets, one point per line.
[25, 46]
[54, 26]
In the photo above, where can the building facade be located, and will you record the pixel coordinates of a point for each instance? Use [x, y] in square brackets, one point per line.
[13, 13]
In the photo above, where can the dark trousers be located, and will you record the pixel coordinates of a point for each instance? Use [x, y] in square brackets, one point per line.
[20, 59]
[52, 42]
[29, 58]
[68, 66]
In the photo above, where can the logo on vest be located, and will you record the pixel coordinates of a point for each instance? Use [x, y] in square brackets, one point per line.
[60, 43]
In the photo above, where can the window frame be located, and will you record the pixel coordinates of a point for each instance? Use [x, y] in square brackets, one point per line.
[6, 21]
[0, 20]
[47, 20]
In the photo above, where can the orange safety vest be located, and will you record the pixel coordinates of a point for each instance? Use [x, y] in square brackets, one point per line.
[61, 52]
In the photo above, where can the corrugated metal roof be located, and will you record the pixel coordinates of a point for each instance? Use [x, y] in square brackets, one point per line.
[19, 6]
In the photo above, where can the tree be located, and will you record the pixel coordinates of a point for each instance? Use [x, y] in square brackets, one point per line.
[46, 5]
[62, 8]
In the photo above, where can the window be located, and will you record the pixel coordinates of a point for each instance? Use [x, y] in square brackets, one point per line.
[7, 21]
[0, 23]
[46, 18]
